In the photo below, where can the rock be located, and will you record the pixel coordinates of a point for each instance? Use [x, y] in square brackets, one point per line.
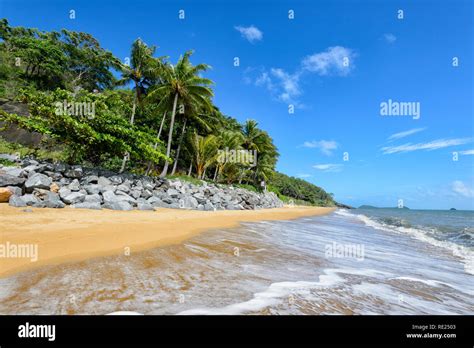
[73, 197]
[54, 187]
[5, 194]
[10, 180]
[63, 192]
[103, 181]
[209, 207]
[188, 202]
[91, 179]
[17, 191]
[92, 189]
[118, 205]
[87, 205]
[53, 175]
[144, 206]
[60, 167]
[116, 179]
[8, 157]
[38, 180]
[124, 197]
[74, 185]
[74, 172]
[146, 194]
[52, 200]
[172, 192]
[95, 198]
[30, 199]
[14, 171]
[123, 188]
[135, 194]
[17, 201]
[148, 184]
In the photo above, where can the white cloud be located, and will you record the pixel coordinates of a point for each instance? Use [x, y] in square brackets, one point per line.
[460, 188]
[467, 152]
[326, 146]
[289, 84]
[335, 60]
[328, 167]
[432, 145]
[405, 133]
[304, 176]
[251, 34]
[390, 38]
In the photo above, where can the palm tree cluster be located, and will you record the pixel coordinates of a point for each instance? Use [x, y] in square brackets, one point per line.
[196, 131]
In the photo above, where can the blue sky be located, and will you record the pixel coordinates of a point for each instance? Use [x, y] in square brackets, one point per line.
[336, 62]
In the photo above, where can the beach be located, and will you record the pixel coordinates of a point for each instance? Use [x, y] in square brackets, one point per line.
[71, 235]
[344, 262]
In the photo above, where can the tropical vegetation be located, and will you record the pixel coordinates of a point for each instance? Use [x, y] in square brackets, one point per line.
[146, 115]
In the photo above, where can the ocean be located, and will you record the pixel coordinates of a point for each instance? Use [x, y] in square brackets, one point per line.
[373, 261]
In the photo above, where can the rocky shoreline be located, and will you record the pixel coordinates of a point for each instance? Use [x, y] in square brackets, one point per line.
[55, 185]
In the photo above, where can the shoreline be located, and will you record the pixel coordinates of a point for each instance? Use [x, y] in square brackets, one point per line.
[72, 235]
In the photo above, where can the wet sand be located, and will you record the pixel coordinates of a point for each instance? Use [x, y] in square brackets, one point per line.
[67, 235]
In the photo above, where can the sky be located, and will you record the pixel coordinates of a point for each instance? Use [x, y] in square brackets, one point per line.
[371, 100]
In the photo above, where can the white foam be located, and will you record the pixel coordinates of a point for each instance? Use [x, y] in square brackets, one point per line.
[466, 255]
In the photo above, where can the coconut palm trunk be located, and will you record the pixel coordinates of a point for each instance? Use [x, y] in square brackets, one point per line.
[175, 164]
[132, 120]
[170, 136]
[150, 163]
[190, 168]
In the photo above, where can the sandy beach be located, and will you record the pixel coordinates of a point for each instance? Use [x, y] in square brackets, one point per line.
[66, 235]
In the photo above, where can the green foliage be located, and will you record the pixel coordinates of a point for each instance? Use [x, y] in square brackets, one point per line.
[88, 137]
[156, 101]
[299, 189]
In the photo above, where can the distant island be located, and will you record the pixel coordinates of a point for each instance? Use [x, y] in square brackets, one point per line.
[373, 207]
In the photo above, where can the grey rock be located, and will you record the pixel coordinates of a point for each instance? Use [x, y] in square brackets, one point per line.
[118, 205]
[17, 201]
[38, 180]
[8, 157]
[146, 194]
[53, 175]
[172, 192]
[94, 198]
[116, 179]
[91, 179]
[188, 202]
[87, 205]
[74, 172]
[144, 206]
[73, 198]
[103, 181]
[209, 207]
[10, 180]
[123, 188]
[60, 167]
[15, 190]
[74, 185]
[92, 189]
[13, 171]
[52, 200]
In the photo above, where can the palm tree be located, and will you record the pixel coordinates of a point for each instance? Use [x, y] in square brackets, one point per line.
[227, 140]
[181, 82]
[204, 151]
[140, 72]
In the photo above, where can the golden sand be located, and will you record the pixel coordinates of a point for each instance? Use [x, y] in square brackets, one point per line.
[66, 235]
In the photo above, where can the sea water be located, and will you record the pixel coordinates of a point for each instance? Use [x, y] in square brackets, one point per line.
[374, 261]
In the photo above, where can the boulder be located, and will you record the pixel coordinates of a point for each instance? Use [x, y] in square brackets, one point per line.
[38, 180]
[172, 192]
[94, 198]
[74, 185]
[73, 197]
[91, 179]
[188, 202]
[54, 187]
[13, 171]
[17, 201]
[144, 206]
[103, 181]
[92, 189]
[52, 200]
[10, 180]
[87, 205]
[118, 205]
[75, 172]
